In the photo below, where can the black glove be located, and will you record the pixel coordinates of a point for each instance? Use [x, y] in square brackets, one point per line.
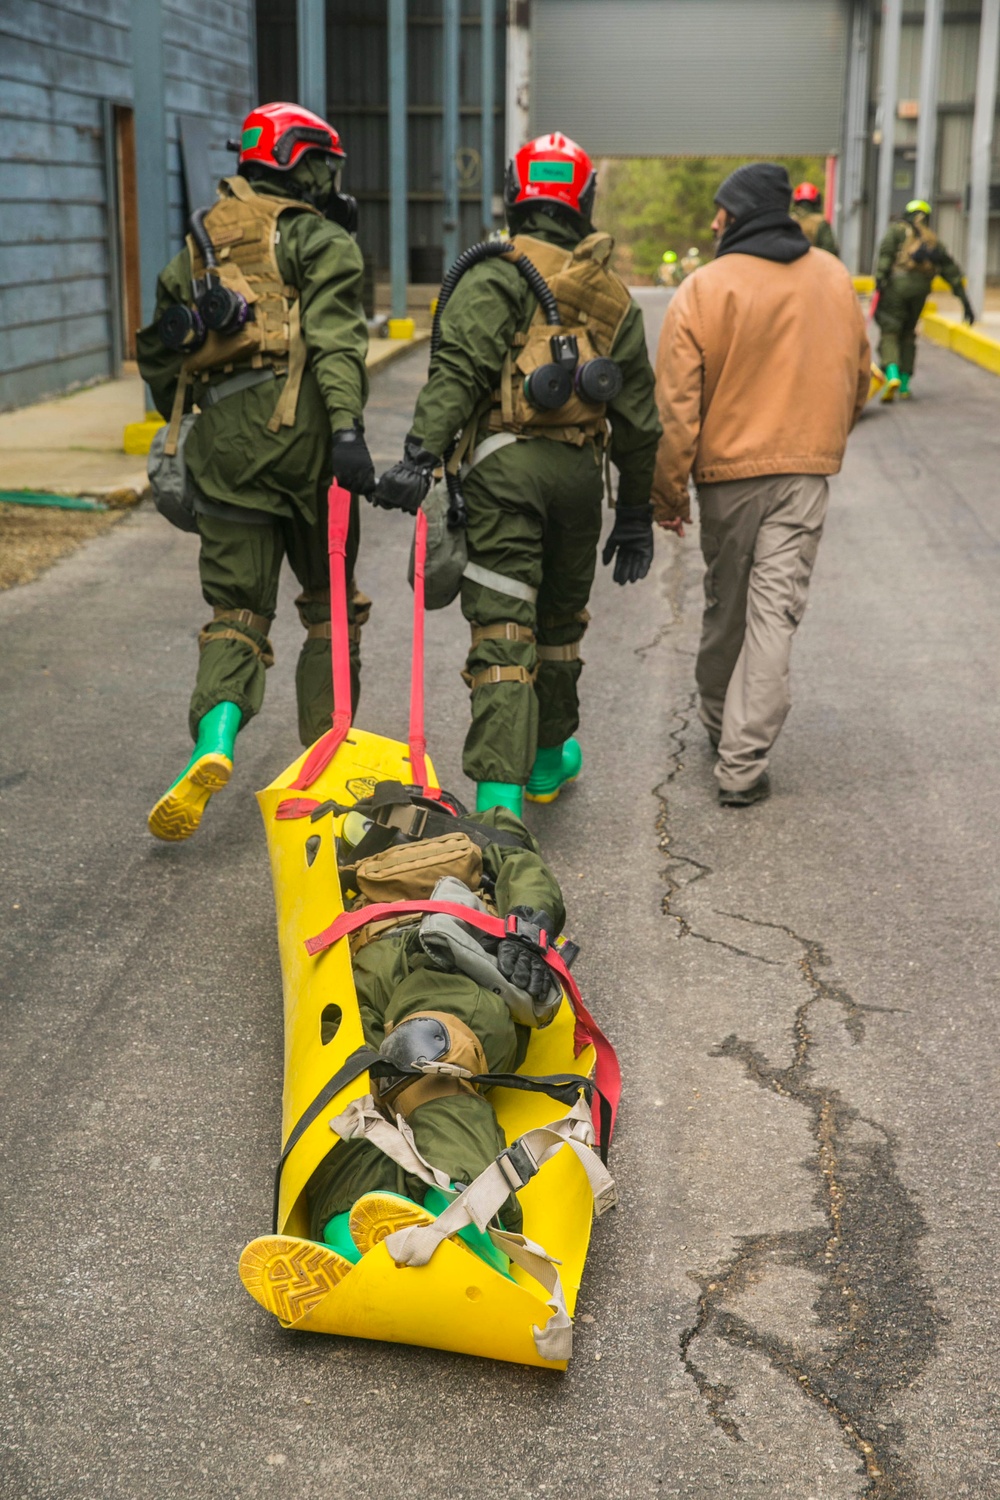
[967, 312]
[632, 539]
[519, 957]
[404, 485]
[352, 463]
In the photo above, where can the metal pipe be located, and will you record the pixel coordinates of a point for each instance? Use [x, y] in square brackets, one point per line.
[518, 74]
[982, 144]
[450, 58]
[311, 28]
[488, 91]
[852, 175]
[398, 205]
[150, 147]
[930, 67]
[888, 92]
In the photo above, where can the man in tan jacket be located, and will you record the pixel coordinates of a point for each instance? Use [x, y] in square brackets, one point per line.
[762, 371]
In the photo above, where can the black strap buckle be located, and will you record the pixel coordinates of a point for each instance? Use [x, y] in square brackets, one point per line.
[527, 932]
[517, 1165]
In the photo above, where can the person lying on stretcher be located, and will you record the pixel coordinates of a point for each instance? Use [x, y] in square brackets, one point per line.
[431, 988]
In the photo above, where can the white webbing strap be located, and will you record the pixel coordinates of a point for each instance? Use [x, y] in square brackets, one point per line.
[500, 583]
[488, 446]
[362, 1120]
[482, 1199]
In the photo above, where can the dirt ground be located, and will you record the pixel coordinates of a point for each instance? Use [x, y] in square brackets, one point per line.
[33, 538]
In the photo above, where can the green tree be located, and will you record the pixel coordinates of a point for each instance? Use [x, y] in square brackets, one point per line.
[652, 204]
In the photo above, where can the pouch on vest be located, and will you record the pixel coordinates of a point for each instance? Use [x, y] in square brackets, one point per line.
[447, 553]
[173, 491]
[409, 872]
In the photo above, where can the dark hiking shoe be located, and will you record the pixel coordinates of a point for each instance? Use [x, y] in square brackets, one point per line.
[747, 795]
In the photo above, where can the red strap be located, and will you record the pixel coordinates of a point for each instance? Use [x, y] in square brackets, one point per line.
[296, 807]
[417, 736]
[607, 1071]
[325, 748]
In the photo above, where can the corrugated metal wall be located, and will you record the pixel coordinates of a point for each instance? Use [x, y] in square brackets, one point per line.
[357, 98]
[60, 60]
[694, 77]
[956, 101]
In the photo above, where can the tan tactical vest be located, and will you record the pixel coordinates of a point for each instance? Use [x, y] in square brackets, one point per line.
[917, 235]
[593, 303]
[809, 224]
[243, 227]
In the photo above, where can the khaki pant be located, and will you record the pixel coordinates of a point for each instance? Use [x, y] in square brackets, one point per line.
[759, 539]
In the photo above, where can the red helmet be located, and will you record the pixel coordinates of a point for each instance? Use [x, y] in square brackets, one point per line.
[279, 135]
[806, 192]
[551, 169]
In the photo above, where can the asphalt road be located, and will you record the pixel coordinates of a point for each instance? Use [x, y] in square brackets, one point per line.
[798, 1294]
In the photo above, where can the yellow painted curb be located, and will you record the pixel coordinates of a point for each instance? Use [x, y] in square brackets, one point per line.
[139, 435]
[402, 328]
[972, 345]
[865, 285]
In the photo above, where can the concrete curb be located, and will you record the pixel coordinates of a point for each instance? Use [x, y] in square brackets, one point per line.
[972, 345]
[382, 352]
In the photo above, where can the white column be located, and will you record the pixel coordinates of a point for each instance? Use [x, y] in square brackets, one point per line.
[930, 67]
[518, 74]
[982, 150]
[311, 25]
[888, 94]
[851, 187]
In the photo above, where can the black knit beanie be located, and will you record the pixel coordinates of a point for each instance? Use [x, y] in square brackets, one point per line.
[759, 188]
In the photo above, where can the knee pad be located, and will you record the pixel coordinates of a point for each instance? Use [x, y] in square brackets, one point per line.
[443, 1042]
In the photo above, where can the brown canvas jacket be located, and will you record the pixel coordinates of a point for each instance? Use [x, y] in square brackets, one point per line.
[763, 368]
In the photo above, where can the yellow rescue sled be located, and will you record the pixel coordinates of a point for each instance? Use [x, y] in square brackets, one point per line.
[455, 1301]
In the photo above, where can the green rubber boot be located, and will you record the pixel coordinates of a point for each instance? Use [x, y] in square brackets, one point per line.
[500, 794]
[337, 1235]
[892, 383]
[477, 1241]
[179, 811]
[904, 384]
[377, 1215]
[554, 768]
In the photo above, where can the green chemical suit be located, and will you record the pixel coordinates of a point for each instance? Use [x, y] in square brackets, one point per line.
[263, 492]
[534, 512]
[816, 228]
[395, 978]
[909, 258]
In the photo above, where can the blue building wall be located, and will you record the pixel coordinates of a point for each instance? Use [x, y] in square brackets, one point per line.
[61, 63]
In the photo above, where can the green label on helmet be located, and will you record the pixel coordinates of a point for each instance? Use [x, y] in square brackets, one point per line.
[250, 137]
[550, 171]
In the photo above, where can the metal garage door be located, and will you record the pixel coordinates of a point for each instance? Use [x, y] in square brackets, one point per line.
[691, 77]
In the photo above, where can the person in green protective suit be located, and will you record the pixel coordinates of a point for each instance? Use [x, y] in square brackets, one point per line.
[909, 258]
[807, 209]
[400, 974]
[534, 479]
[281, 398]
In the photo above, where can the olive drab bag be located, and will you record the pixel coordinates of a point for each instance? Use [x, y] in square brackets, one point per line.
[447, 554]
[243, 227]
[173, 489]
[593, 303]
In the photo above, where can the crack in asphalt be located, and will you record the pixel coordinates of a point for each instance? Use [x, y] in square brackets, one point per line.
[877, 1313]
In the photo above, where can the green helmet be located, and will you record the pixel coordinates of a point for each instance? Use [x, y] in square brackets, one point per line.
[918, 206]
[669, 256]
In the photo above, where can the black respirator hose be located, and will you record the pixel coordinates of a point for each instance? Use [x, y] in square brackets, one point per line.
[487, 250]
[203, 240]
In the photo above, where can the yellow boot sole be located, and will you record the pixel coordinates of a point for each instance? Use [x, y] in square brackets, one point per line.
[551, 796]
[889, 394]
[289, 1276]
[377, 1215]
[178, 813]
